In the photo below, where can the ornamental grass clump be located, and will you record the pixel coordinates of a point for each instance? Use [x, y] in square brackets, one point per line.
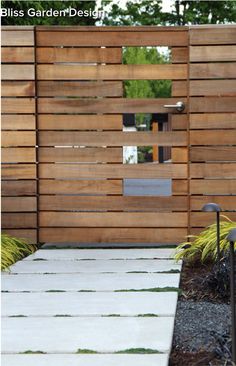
[13, 249]
[203, 246]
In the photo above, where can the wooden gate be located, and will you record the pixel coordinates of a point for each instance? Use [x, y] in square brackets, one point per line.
[63, 171]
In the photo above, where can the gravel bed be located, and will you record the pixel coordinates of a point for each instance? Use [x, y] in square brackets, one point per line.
[197, 322]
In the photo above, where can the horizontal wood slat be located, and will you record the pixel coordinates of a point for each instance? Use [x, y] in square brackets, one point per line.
[17, 88]
[80, 122]
[112, 138]
[219, 137]
[17, 72]
[18, 122]
[80, 89]
[99, 55]
[179, 187]
[213, 35]
[18, 105]
[18, 221]
[179, 121]
[112, 235]
[218, 153]
[117, 105]
[179, 55]
[111, 72]
[17, 54]
[112, 38]
[222, 171]
[18, 138]
[112, 219]
[226, 202]
[19, 204]
[203, 219]
[177, 171]
[97, 187]
[18, 155]
[18, 38]
[211, 87]
[213, 70]
[212, 120]
[18, 188]
[18, 171]
[115, 203]
[213, 186]
[213, 104]
[80, 155]
[179, 88]
[212, 53]
[30, 235]
[179, 154]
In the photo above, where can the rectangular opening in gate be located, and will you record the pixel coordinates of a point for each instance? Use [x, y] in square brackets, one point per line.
[147, 187]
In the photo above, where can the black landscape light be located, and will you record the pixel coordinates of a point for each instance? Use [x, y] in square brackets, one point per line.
[232, 239]
[213, 207]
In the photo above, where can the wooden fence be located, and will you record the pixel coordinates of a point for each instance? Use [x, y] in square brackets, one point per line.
[63, 171]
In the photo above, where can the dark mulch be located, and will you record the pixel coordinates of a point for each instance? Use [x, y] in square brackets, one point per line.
[194, 342]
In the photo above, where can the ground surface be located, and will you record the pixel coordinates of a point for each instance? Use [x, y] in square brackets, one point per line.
[60, 307]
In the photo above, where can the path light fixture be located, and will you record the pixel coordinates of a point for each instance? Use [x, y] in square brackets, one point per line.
[232, 239]
[214, 207]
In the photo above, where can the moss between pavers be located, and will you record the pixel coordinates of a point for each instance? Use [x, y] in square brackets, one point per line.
[125, 351]
[153, 289]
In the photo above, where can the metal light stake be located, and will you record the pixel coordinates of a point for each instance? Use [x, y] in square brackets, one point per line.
[213, 207]
[232, 239]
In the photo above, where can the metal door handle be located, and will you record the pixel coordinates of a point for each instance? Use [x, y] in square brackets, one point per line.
[179, 106]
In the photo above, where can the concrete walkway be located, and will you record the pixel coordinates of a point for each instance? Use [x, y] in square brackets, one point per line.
[90, 307]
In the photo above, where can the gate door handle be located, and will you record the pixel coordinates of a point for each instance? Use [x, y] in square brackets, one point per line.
[179, 106]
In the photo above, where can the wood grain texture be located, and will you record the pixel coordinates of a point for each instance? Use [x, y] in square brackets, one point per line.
[18, 88]
[17, 55]
[60, 138]
[212, 120]
[97, 171]
[80, 89]
[112, 38]
[213, 70]
[213, 170]
[112, 235]
[17, 38]
[78, 187]
[179, 55]
[212, 53]
[209, 87]
[18, 105]
[16, 221]
[80, 155]
[179, 187]
[19, 204]
[219, 137]
[226, 202]
[98, 55]
[18, 187]
[29, 235]
[179, 154]
[213, 186]
[18, 171]
[179, 88]
[203, 219]
[112, 219]
[18, 138]
[115, 203]
[80, 122]
[179, 121]
[213, 35]
[17, 72]
[18, 155]
[114, 105]
[111, 72]
[212, 104]
[213, 153]
[18, 122]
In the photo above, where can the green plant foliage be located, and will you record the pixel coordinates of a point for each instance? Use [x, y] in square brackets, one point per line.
[204, 247]
[86, 351]
[13, 249]
[139, 351]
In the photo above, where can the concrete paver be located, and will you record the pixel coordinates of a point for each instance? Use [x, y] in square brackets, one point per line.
[85, 360]
[89, 303]
[84, 281]
[76, 254]
[94, 266]
[62, 335]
